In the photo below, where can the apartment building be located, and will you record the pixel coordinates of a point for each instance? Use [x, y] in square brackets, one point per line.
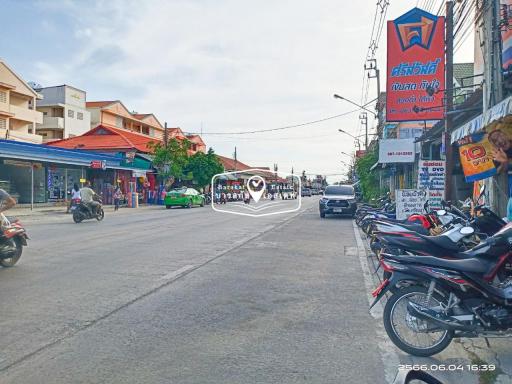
[115, 114]
[64, 113]
[18, 114]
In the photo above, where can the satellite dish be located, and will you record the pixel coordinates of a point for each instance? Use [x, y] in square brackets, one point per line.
[34, 85]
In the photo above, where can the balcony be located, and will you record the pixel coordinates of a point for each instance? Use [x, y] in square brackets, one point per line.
[50, 122]
[22, 136]
[25, 114]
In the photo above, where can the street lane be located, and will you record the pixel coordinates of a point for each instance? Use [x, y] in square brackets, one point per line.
[262, 300]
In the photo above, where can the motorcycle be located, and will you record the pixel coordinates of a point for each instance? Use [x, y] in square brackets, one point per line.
[440, 299]
[84, 212]
[13, 238]
[74, 204]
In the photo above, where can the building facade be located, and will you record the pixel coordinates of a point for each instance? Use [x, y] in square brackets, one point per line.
[18, 114]
[116, 115]
[64, 113]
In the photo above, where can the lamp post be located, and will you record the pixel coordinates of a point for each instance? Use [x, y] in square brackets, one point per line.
[351, 135]
[336, 96]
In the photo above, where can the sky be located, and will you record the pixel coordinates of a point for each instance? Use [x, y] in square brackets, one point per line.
[215, 66]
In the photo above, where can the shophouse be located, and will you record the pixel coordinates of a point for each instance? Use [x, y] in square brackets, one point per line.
[18, 114]
[64, 113]
[115, 114]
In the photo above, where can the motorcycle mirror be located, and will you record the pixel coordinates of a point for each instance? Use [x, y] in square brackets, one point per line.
[467, 231]
[441, 212]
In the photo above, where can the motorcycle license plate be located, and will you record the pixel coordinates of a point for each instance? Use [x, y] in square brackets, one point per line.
[337, 210]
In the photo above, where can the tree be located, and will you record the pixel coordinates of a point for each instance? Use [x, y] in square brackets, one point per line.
[170, 160]
[201, 167]
[368, 179]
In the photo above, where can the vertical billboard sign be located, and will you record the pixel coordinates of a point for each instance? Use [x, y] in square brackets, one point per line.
[415, 67]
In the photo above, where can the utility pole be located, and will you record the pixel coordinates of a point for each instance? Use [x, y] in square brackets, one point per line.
[363, 117]
[166, 134]
[449, 100]
[234, 155]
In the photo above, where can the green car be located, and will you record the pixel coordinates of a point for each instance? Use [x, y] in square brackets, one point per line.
[184, 197]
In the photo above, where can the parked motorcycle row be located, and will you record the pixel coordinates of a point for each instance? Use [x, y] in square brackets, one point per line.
[447, 273]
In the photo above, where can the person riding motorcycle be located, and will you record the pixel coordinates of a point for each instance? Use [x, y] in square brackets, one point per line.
[6, 201]
[88, 195]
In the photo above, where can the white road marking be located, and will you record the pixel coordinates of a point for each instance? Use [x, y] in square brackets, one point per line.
[173, 274]
[388, 354]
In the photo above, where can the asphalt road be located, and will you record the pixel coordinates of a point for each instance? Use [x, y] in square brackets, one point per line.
[188, 296]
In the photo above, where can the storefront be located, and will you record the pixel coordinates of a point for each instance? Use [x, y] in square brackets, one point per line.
[483, 146]
[37, 174]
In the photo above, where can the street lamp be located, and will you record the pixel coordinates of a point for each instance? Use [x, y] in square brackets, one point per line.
[351, 135]
[336, 96]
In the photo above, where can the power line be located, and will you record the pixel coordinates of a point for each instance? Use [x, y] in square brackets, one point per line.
[278, 129]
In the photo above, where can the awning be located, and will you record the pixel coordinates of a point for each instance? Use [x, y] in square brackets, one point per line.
[495, 113]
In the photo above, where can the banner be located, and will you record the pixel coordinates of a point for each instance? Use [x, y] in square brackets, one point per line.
[408, 202]
[431, 176]
[476, 157]
[396, 151]
[415, 65]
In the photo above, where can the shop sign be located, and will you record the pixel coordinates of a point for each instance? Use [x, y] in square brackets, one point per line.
[83, 180]
[431, 177]
[396, 151]
[360, 153]
[99, 164]
[476, 157]
[408, 202]
[415, 64]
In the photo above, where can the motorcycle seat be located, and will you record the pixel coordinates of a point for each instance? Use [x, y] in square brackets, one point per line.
[465, 265]
[442, 241]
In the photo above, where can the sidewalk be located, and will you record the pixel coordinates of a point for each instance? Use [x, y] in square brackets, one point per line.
[39, 213]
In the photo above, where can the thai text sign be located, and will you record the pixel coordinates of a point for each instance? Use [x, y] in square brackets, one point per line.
[415, 64]
[396, 151]
[431, 176]
[476, 157]
[408, 202]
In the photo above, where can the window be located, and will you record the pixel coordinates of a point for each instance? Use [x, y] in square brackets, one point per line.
[3, 123]
[45, 113]
[3, 97]
[79, 115]
[71, 113]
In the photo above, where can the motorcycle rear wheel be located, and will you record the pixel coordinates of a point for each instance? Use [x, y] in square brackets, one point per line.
[77, 217]
[11, 261]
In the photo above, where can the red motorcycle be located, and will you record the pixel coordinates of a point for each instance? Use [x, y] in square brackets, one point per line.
[13, 238]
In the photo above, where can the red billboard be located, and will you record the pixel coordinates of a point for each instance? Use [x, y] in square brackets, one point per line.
[415, 68]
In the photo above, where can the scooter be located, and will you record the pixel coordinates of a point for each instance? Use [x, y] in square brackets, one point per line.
[13, 238]
[74, 204]
[83, 212]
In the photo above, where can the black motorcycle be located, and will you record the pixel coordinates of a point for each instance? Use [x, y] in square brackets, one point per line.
[84, 211]
[440, 299]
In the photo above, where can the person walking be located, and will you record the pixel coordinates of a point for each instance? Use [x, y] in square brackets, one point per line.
[117, 198]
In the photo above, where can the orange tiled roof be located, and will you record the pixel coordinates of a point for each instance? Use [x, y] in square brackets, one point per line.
[112, 138]
[229, 164]
[98, 104]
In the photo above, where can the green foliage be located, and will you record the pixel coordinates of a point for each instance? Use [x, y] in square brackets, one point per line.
[201, 167]
[369, 180]
[170, 160]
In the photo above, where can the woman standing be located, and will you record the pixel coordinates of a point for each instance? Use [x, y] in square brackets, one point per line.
[117, 198]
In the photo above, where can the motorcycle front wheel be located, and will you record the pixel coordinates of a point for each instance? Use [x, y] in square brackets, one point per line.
[9, 262]
[413, 335]
[100, 215]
